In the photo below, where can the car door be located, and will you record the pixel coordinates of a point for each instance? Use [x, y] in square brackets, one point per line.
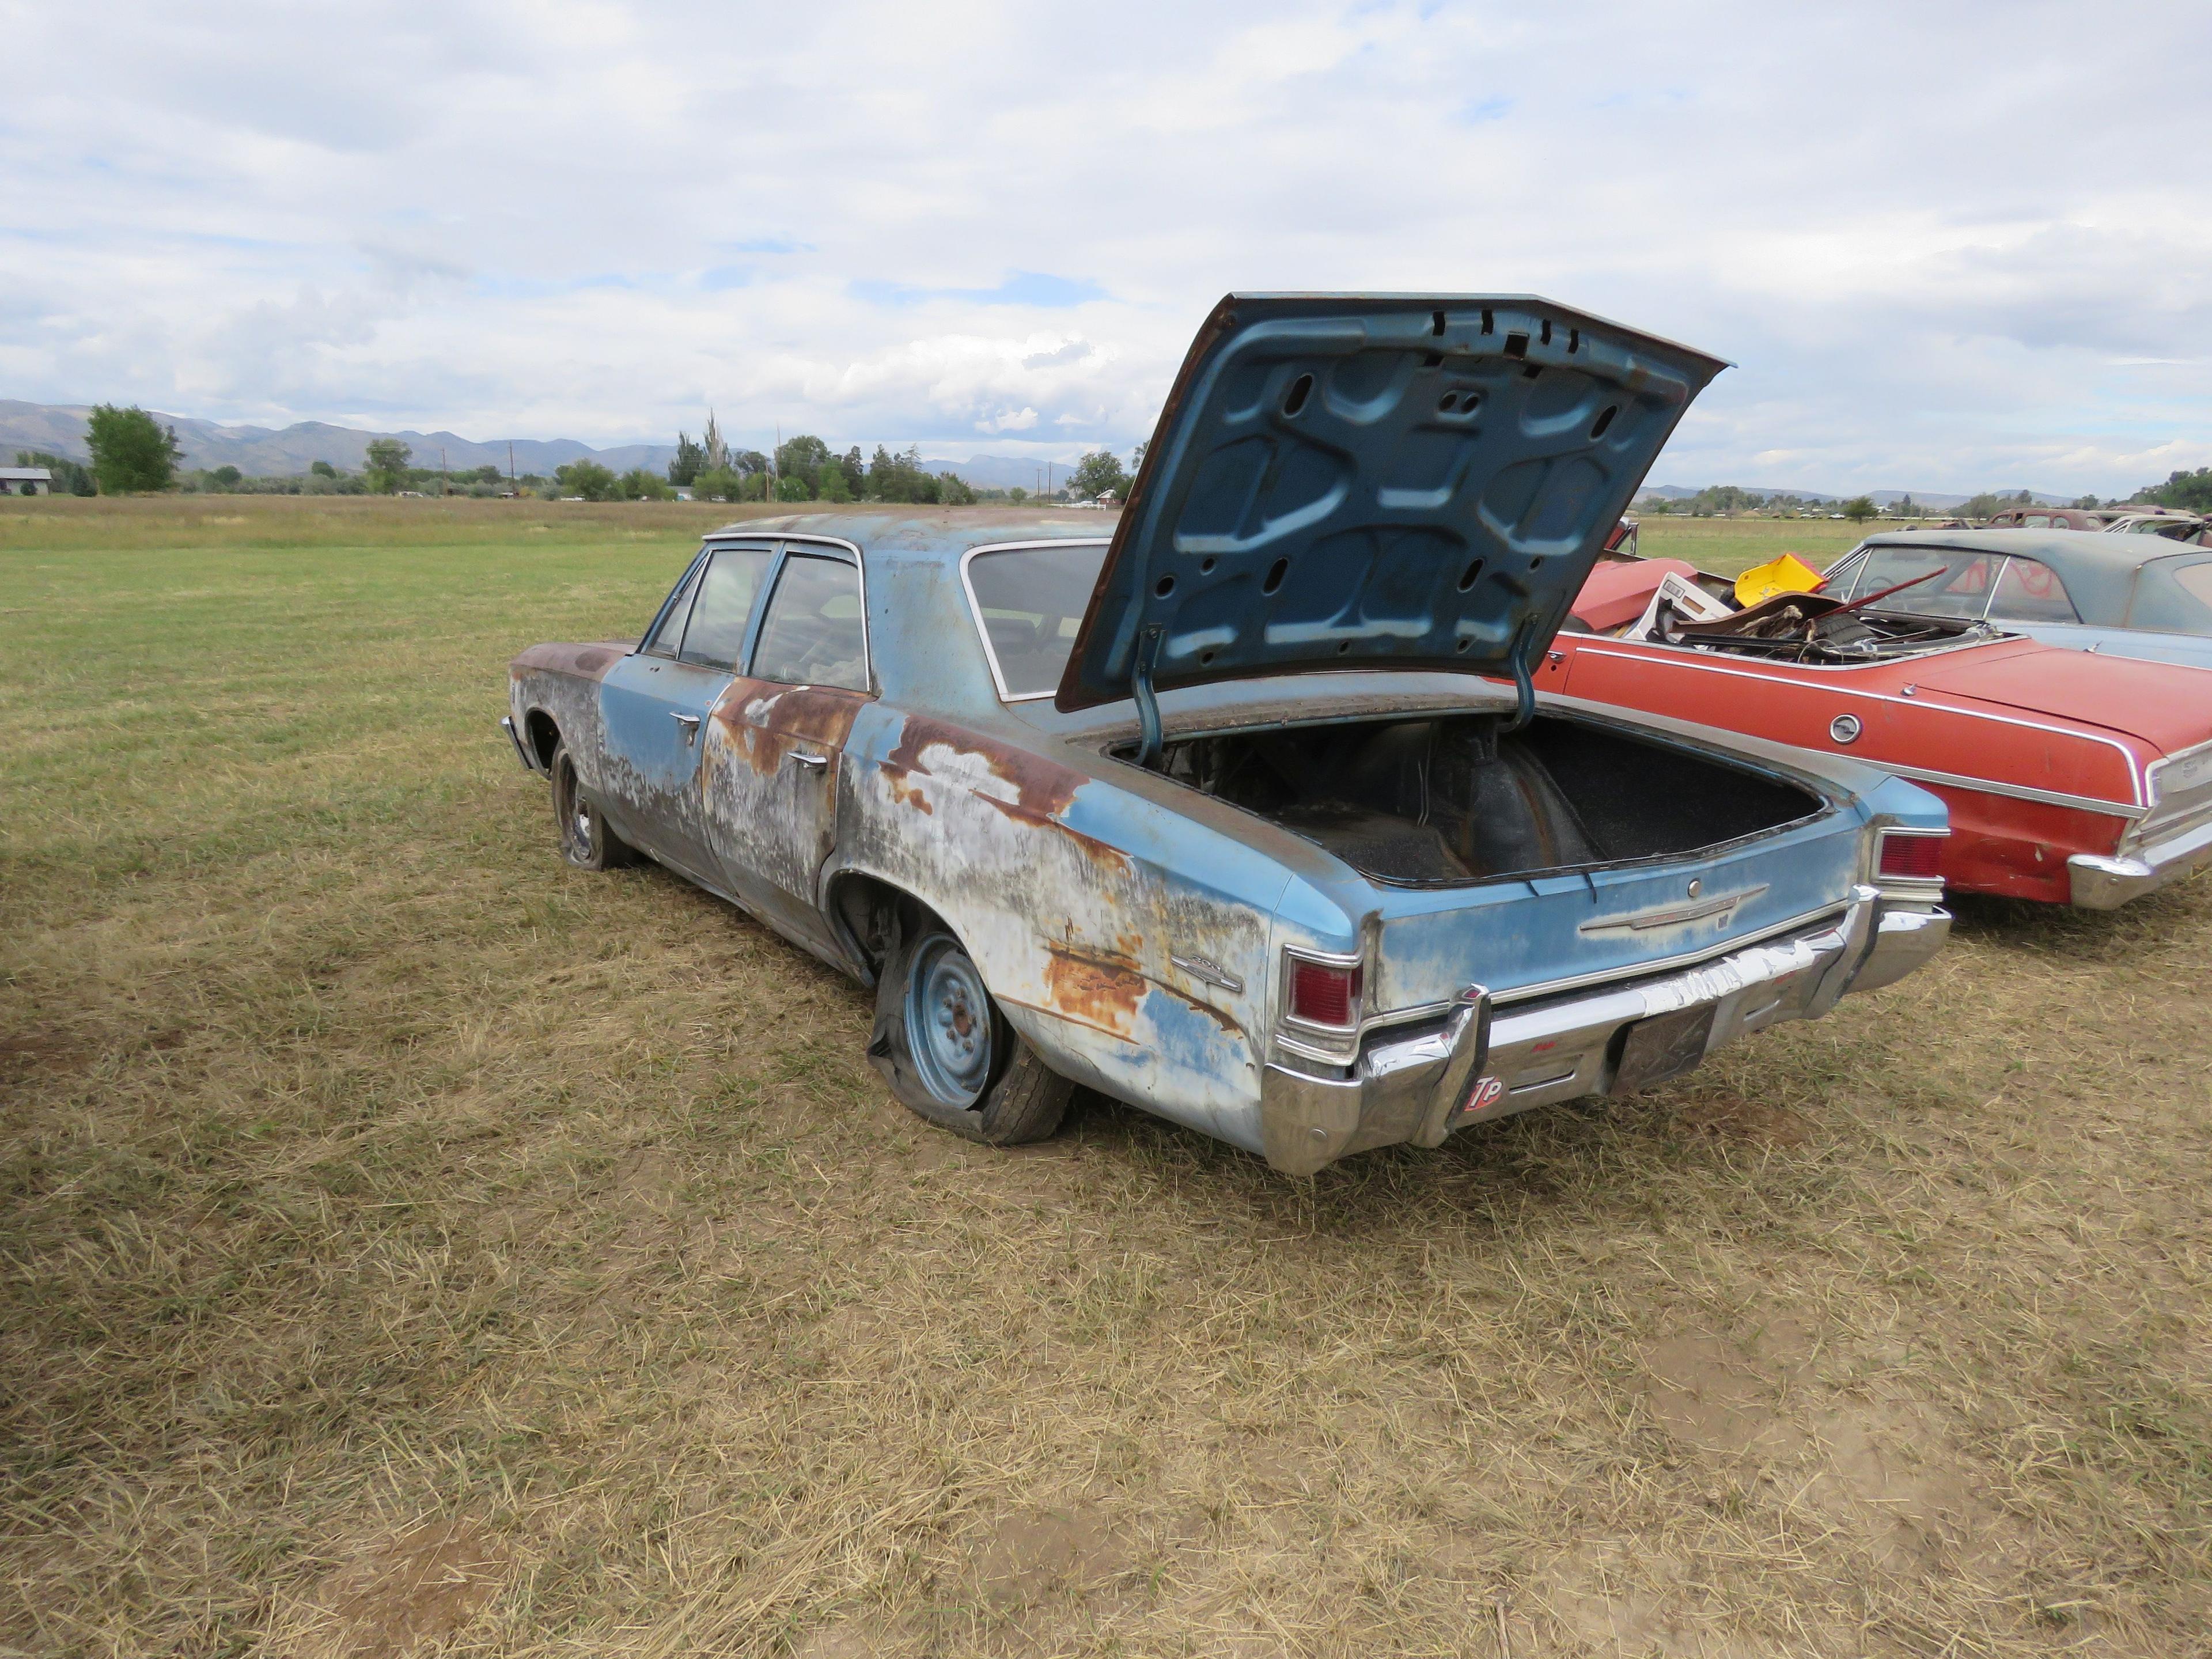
[655, 703]
[773, 769]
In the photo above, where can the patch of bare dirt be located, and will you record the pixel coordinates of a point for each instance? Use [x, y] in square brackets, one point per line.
[1732, 1117]
[1036, 1552]
[402, 1596]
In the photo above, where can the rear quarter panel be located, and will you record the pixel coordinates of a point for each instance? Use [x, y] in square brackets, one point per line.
[1076, 897]
[2000, 843]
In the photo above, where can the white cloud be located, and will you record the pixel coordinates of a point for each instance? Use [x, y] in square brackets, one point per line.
[1938, 264]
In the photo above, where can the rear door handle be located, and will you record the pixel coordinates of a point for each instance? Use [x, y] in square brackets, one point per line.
[691, 725]
[812, 763]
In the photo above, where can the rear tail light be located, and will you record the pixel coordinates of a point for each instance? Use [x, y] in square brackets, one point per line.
[1913, 857]
[1324, 993]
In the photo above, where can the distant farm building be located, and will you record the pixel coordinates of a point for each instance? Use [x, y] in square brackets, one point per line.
[26, 481]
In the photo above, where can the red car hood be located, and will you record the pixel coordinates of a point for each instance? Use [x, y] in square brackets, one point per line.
[2161, 703]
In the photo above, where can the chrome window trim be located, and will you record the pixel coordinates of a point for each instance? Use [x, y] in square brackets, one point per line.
[642, 648]
[707, 550]
[1691, 658]
[975, 609]
[775, 578]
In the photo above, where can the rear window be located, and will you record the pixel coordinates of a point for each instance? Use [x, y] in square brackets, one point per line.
[1957, 580]
[1030, 602]
[2029, 591]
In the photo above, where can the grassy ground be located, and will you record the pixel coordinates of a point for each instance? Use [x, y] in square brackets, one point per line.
[409, 1239]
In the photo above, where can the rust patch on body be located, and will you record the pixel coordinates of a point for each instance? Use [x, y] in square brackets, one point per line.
[762, 717]
[1040, 786]
[903, 792]
[589, 662]
[1099, 853]
[1097, 988]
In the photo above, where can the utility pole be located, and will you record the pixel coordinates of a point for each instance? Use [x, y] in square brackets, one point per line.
[511, 484]
[445, 473]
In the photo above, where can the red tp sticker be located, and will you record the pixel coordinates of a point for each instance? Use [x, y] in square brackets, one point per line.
[1486, 1093]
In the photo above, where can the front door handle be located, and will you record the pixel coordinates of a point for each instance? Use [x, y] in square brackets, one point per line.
[691, 725]
[811, 763]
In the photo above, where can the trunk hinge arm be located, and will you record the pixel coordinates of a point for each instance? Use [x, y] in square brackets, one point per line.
[1523, 684]
[1148, 706]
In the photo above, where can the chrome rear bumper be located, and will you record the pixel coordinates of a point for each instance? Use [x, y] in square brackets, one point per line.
[2099, 882]
[1483, 1061]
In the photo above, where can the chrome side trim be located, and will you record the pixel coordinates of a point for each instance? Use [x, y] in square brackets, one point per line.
[2012, 790]
[1668, 916]
[976, 610]
[1689, 658]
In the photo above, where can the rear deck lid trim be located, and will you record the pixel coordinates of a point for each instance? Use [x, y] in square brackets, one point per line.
[1396, 481]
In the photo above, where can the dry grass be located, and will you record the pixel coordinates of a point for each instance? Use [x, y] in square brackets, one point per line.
[409, 1239]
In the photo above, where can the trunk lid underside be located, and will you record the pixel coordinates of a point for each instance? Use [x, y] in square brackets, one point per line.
[1380, 482]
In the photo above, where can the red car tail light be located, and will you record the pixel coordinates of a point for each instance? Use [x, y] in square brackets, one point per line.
[1913, 857]
[1324, 993]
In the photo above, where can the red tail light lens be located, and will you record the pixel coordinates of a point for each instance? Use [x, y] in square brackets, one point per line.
[1323, 994]
[1917, 856]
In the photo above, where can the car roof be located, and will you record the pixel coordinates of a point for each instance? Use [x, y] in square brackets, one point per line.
[929, 534]
[2095, 565]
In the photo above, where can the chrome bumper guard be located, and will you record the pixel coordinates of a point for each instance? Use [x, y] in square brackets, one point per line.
[2099, 882]
[506, 725]
[1483, 1061]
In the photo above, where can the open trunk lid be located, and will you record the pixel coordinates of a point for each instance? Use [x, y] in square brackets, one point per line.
[1394, 481]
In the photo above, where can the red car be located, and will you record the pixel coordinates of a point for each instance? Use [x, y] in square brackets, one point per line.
[2072, 777]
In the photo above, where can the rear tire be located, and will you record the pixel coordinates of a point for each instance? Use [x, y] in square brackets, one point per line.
[586, 840]
[947, 1051]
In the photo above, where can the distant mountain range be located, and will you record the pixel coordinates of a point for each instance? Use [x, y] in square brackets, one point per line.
[1880, 497]
[260, 452]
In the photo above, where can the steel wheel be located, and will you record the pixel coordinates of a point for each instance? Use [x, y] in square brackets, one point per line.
[948, 1023]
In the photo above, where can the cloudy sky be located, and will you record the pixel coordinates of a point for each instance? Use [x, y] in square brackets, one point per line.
[1949, 246]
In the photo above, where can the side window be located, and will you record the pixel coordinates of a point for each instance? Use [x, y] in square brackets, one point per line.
[664, 637]
[2030, 591]
[716, 637]
[813, 634]
[2039, 521]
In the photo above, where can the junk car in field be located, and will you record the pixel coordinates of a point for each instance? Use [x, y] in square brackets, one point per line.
[1213, 808]
[2128, 596]
[2074, 774]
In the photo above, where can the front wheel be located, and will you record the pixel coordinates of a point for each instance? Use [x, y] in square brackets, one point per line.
[948, 1053]
[586, 840]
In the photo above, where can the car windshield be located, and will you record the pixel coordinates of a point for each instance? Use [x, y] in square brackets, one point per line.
[1030, 601]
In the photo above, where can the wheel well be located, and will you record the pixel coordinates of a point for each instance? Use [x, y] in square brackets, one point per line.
[865, 908]
[544, 737]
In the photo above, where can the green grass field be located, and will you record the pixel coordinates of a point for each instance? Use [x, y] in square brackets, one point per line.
[408, 1239]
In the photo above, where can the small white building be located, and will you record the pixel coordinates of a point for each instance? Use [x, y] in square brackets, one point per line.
[26, 481]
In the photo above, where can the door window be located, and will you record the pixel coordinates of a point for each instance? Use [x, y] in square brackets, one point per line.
[2030, 591]
[2039, 521]
[716, 636]
[670, 630]
[813, 634]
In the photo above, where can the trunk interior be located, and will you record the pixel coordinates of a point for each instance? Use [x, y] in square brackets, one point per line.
[1440, 801]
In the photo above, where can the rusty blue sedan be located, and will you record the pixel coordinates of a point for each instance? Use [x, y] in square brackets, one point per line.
[1245, 808]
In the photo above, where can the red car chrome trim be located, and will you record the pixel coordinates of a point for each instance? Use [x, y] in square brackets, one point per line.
[1685, 657]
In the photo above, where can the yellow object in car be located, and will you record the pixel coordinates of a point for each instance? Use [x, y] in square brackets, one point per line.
[1786, 574]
